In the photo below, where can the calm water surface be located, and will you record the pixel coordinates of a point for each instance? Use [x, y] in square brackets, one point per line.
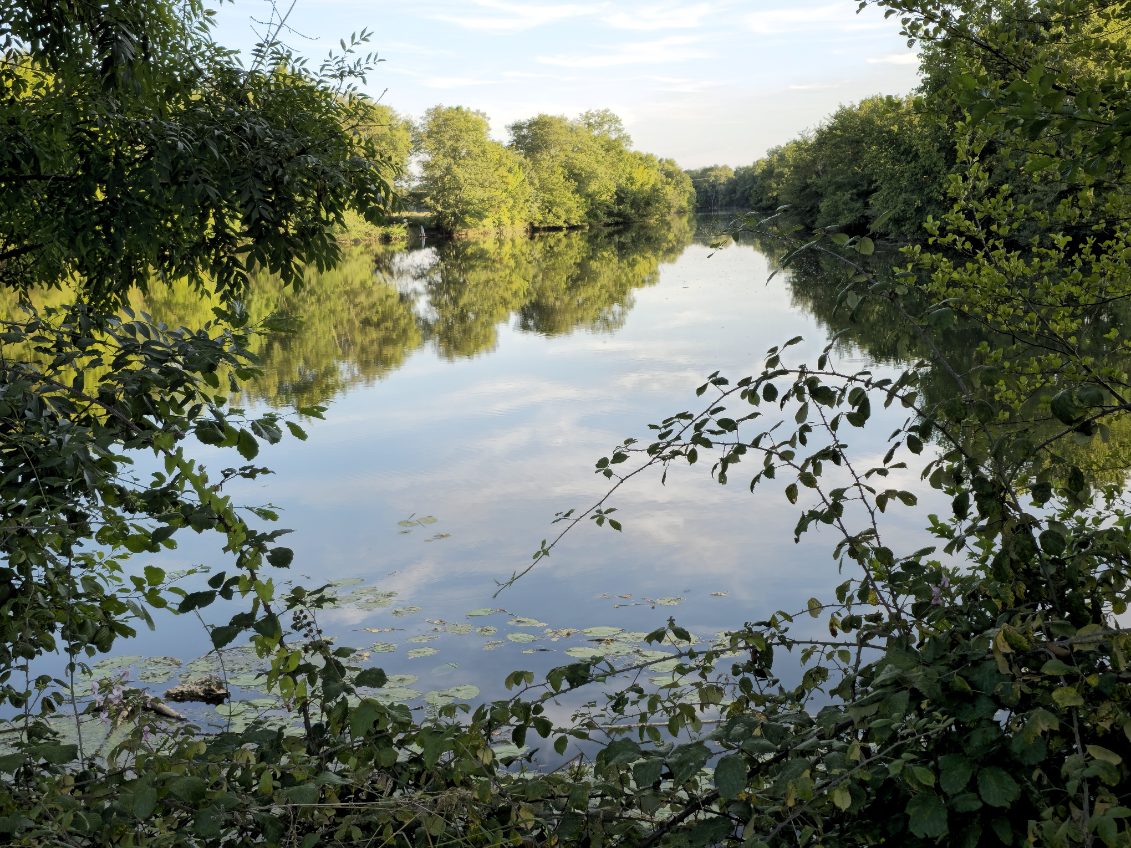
[469, 388]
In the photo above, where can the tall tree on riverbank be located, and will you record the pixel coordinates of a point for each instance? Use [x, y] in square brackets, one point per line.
[574, 181]
[469, 180]
[555, 173]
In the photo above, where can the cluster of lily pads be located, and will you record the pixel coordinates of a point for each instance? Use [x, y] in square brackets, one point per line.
[244, 674]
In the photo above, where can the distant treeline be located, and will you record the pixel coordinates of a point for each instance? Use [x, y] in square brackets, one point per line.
[878, 166]
[554, 172]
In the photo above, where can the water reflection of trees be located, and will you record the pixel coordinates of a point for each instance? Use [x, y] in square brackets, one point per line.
[882, 333]
[361, 320]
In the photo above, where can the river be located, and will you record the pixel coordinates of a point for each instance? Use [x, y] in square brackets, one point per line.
[469, 387]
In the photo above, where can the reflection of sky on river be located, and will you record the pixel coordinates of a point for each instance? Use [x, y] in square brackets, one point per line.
[495, 445]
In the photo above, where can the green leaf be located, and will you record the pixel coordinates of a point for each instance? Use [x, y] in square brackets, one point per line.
[997, 788]
[842, 798]
[927, 816]
[188, 788]
[865, 246]
[1104, 755]
[363, 716]
[921, 775]
[1067, 697]
[730, 775]
[955, 772]
[137, 543]
[280, 557]
[686, 761]
[10, 762]
[144, 801]
[207, 823]
[305, 793]
[195, 600]
[1057, 668]
[247, 445]
[374, 677]
[1064, 407]
[223, 635]
[647, 772]
[55, 754]
[620, 752]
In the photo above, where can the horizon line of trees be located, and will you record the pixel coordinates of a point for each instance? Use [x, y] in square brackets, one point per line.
[878, 166]
[553, 173]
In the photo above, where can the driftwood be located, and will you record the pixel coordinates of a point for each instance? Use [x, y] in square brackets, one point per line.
[206, 690]
[162, 709]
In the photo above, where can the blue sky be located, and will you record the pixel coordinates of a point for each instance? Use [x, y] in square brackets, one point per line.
[716, 81]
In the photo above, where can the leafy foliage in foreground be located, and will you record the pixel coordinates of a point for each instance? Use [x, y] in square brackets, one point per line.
[975, 692]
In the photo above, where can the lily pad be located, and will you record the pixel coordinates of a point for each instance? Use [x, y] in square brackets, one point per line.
[508, 749]
[416, 653]
[487, 630]
[522, 638]
[104, 666]
[523, 621]
[439, 698]
[602, 632]
[585, 652]
[415, 521]
[482, 611]
[605, 648]
[401, 612]
[383, 648]
[395, 695]
[369, 598]
[157, 669]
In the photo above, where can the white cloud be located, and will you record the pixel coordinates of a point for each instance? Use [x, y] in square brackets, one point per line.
[676, 48]
[682, 85]
[409, 47]
[533, 75]
[453, 82]
[664, 16]
[835, 16]
[515, 17]
[815, 86]
[895, 59]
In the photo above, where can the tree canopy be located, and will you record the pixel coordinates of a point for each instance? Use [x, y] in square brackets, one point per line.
[555, 173]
